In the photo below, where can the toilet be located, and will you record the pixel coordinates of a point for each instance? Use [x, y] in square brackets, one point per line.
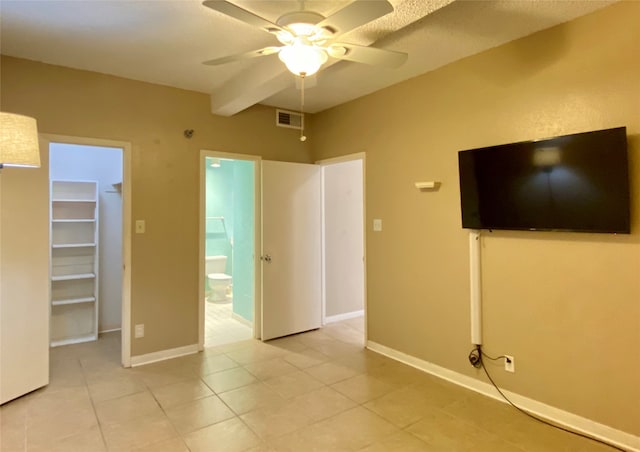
[219, 289]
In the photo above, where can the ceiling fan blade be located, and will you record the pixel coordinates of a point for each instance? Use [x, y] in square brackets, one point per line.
[243, 56]
[367, 55]
[241, 14]
[355, 14]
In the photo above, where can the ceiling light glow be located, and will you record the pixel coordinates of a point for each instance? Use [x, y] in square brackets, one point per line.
[303, 59]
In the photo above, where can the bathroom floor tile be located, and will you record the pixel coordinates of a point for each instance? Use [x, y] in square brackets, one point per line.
[220, 326]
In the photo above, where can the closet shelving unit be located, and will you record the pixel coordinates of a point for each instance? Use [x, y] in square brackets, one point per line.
[74, 261]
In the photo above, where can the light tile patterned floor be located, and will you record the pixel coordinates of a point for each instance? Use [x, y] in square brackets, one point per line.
[318, 391]
[220, 326]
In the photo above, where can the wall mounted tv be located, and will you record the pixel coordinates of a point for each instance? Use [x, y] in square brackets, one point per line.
[576, 182]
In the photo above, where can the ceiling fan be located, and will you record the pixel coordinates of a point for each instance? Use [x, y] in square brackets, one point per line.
[308, 38]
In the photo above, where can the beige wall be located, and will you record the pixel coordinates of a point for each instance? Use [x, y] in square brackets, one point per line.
[164, 271]
[566, 305]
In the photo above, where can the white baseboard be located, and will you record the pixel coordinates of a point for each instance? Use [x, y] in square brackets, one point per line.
[561, 417]
[242, 320]
[345, 316]
[162, 355]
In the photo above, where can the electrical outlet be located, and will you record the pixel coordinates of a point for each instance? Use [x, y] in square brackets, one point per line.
[509, 363]
[139, 331]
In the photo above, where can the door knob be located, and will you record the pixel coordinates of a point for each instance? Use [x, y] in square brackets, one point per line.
[266, 258]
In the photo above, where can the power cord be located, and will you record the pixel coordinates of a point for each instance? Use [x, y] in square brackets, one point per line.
[475, 358]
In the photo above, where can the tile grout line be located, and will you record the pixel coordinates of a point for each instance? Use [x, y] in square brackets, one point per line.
[93, 406]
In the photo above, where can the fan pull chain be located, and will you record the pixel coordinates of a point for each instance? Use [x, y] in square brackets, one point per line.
[302, 137]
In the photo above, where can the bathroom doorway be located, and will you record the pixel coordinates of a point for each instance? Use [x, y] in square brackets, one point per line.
[227, 243]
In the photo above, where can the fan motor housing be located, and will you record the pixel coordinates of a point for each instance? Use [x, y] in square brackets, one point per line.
[300, 17]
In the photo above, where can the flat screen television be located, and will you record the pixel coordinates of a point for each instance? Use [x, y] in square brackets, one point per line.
[576, 182]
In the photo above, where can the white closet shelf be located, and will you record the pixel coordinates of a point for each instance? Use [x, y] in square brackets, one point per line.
[74, 340]
[73, 277]
[73, 301]
[74, 232]
[72, 245]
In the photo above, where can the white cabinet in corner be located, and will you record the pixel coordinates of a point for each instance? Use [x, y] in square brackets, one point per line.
[74, 261]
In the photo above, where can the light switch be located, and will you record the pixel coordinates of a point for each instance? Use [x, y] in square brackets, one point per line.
[377, 225]
[140, 227]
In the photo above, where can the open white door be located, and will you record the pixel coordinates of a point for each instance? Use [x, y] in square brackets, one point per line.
[291, 248]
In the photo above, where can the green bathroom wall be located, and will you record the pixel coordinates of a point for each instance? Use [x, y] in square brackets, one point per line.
[219, 203]
[243, 245]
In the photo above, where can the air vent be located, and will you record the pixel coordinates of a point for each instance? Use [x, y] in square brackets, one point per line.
[289, 119]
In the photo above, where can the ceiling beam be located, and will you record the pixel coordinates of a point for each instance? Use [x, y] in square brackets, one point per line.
[266, 78]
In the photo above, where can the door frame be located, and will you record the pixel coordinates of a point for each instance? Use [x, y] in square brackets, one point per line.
[257, 242]
[330, 161]
[126, 225]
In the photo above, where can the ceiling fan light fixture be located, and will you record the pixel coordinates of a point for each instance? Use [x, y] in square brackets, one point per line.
[302, 59]
[303, 29]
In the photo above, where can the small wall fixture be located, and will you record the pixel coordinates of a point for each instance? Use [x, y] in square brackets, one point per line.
[18, 141]
[428, 185]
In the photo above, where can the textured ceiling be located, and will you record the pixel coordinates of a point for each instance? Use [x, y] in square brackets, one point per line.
[165, 42]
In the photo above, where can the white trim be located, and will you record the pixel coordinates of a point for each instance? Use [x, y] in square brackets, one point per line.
[163, 355]
[323, 251]
[342, 159]
[561, 417]
[475, 278]
[126, 226]
[344, 316]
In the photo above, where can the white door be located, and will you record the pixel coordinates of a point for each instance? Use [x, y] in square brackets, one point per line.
[291, 248]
